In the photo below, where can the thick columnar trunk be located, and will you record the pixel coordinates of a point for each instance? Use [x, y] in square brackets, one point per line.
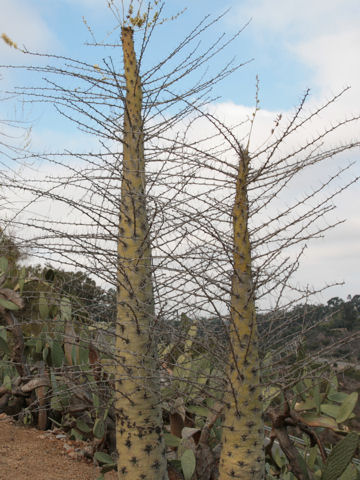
[242, 453]
[139, 438]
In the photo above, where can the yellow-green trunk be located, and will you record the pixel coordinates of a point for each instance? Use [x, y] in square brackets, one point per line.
[139, 437]
[242, 454]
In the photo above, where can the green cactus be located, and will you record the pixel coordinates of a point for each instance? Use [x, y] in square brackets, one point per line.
[340, 457]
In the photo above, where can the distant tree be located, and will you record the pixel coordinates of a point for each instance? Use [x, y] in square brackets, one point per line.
[10, 249]
[335, 302]
[91, 303]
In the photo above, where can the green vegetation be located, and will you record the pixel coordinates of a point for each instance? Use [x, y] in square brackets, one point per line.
[322, 328]
[70, 384]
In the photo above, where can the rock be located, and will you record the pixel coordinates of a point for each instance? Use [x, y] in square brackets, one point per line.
[73, 455]
[88, 451]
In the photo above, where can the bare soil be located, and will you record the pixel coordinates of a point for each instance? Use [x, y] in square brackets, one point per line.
[29, 454]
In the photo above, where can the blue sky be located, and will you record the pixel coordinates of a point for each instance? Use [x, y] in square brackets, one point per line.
[294, 44]
[56, 26]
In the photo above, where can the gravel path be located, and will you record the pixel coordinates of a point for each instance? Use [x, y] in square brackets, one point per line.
[29, 454]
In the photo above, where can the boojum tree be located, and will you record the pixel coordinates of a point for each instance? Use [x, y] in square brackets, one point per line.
[264, 241]
[243, 435]
[139, 436]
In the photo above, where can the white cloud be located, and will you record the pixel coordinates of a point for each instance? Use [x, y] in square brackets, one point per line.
[299, 17]
[336, 257]
[25, 26]
[333, 59]
[323, 35]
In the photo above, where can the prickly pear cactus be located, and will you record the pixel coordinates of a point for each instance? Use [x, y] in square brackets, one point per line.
[340, 457]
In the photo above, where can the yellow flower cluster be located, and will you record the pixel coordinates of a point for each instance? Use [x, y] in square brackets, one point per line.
[9, 41]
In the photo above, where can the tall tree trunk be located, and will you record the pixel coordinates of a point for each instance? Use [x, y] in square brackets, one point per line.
[242, 454]
[139, 434]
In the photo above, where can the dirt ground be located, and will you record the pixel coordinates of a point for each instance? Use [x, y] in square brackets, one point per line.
[29, 454]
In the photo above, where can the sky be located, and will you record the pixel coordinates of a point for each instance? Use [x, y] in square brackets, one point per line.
[290, 46]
